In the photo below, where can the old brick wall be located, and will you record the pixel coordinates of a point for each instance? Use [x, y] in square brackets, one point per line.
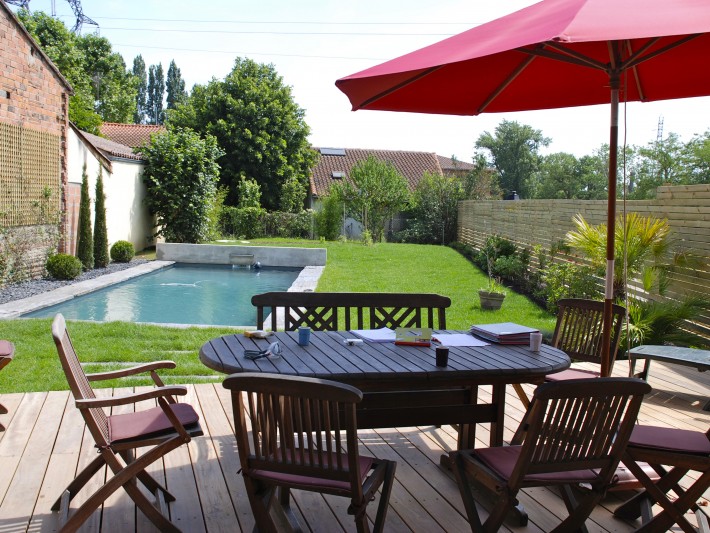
[34, 113]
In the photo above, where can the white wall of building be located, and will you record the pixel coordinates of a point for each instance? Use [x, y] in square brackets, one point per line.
[126, 216]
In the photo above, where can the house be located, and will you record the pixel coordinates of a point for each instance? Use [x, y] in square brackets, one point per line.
[127, 218]
[453, 167]
[34, 125]
[335, 164]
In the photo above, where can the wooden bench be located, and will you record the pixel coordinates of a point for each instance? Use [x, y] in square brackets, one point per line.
[333, 311]
[676, 355]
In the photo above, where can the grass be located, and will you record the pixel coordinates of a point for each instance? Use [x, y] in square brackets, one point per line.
[351, 267]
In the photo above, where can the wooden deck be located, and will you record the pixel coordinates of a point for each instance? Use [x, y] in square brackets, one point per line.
[45, 443]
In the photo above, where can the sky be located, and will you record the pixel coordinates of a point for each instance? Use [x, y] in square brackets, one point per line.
[311, 43]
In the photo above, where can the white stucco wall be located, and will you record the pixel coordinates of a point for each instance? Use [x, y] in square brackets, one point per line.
[126, 216]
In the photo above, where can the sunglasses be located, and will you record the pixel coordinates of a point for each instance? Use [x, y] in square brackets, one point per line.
[274, 350]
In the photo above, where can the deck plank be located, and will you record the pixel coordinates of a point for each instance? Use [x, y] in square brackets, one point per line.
[46, 443]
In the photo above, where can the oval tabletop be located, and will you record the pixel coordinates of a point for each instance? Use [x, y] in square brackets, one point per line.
[328, 357]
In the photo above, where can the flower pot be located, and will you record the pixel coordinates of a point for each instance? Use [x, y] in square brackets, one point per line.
[491, 300]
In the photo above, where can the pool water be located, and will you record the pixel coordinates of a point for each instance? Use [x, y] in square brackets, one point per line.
[218, 295]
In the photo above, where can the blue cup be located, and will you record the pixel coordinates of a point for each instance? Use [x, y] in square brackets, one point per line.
[304, 335]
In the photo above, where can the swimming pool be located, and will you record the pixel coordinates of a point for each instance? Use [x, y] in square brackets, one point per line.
[218, 295]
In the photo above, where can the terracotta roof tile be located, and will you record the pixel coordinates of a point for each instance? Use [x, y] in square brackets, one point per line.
[132, 135]
[411, 165]
[448, 164]
[111, 148]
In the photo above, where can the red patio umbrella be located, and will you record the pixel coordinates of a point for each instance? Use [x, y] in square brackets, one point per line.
[553, 54]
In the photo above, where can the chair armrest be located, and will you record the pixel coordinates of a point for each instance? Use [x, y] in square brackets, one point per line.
[140, 369]
[161, 392]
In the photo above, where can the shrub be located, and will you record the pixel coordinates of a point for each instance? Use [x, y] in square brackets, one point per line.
[122, 251]
[63, 266]
[101, 258]
[85, 241]
[245, 223]
[289, 225]
[329, 220]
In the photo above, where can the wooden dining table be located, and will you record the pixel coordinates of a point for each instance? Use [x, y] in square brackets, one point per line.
[401, 385]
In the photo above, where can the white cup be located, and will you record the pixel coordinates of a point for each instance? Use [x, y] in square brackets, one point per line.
[535, 341]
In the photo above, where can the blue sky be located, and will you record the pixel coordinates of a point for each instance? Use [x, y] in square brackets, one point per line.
[313, 43]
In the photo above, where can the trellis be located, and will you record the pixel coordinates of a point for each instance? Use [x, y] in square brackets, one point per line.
[30, 175]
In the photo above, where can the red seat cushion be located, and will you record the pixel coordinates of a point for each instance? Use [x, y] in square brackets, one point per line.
[502, 460]
[670, 439]
[314, 483]
[6, 348]
[149, 423]
[571, 373]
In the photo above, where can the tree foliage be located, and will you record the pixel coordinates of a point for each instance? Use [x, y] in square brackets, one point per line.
[156, 94]
[141, 79]
[181, 174]
[258, 125]
[175, 86]
[514, 151]
[293, 195]
[434, 213]
[375, 193]
[84, 241]
[481, 183]
[103, 89]
[101, 257]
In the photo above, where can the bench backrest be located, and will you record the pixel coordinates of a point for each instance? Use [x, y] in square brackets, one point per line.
[332, 311]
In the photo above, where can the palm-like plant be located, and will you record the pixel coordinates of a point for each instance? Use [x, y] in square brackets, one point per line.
[643, 240]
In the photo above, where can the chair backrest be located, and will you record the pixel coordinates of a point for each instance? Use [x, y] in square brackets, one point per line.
[579, 424]
[332, 311]
[95, 418]
[299, 426]
[578, 332]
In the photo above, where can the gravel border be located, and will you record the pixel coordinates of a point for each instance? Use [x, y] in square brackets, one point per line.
[25, 289]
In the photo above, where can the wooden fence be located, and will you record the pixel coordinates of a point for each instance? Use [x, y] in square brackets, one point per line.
[546, 222]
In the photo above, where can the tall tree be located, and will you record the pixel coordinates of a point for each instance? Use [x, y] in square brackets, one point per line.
[375, 193]
[101, 257]
[515, 154]
[85, 242]
[61, 47]
[175, 86]
[156, 93]
[141, 80]
[257, 123]
[114, 89]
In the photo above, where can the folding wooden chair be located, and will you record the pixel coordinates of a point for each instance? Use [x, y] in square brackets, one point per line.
[296, 442]
[116, 437]
[7, 352]
[578, 333]
[574, 432]
[661, 447]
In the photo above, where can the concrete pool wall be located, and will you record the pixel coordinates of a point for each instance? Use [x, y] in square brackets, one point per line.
[240, 255]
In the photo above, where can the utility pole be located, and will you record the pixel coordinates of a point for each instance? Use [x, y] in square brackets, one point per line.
[75, 6]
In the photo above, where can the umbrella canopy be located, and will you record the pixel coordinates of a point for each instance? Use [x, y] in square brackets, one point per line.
[553, 54]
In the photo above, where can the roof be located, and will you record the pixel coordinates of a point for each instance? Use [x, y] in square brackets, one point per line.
[412, 165]
[111, 148]
[453, 165]
[133, 135]
[38, 48]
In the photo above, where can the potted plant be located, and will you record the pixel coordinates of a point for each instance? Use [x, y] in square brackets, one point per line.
[493, 294]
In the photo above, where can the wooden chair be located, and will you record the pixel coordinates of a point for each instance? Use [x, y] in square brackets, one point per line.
[7, 352]
[683, 451]
[116, 437]
[578, 333]
[574, 432]
[333, 311]
[296, 442]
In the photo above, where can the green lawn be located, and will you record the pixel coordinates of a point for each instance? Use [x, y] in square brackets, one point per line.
[351, 267]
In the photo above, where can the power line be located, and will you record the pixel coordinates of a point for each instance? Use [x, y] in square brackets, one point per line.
[315, 23]
[271, 32]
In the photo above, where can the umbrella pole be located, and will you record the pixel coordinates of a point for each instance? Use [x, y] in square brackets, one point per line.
[610, 223]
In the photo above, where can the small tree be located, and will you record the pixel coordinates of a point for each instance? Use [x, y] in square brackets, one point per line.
[249, 192]
[101, 258]
[377, 191]
[181, 174]
[329, 220]
[85, 242]
[293, 195]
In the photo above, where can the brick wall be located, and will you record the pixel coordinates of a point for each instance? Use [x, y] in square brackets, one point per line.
[33, 96]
